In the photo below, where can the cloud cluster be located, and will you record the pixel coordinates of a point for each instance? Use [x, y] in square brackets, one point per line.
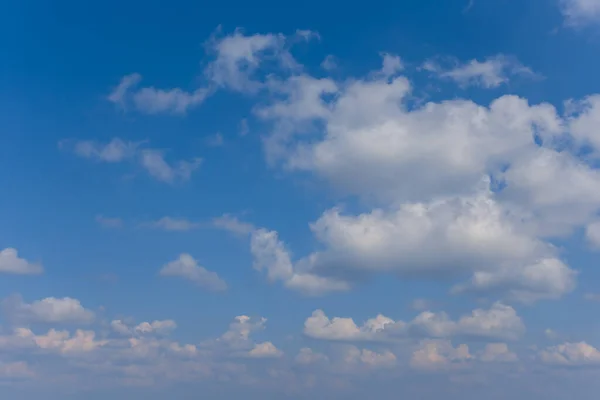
[152, 160]
[498, 322]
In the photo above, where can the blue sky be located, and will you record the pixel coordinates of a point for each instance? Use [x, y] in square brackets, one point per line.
[300, 201]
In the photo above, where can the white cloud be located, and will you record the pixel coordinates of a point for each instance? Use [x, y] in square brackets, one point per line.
[592, 234]
[329, 63]
[11, 263]
[156, 165]
[270, 255]
[392, 65]
[109, 222]
[581, 12]
[151, 100]
[173, 224]
[571, 354]
[498, 322]
[15, 370]
[490, 73]
[118, 150]
[48, 310]
[187, 267]
[118, 94]
[265, 350]
[53, 340]
[232, 224]
[238, 57]
[439, 354]
[369, 358]
[474, 234]
[497, 352]
[144, 328]
[244, 129]
[307, 356]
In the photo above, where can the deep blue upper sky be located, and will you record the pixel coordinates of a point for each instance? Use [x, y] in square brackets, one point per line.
[190, 164]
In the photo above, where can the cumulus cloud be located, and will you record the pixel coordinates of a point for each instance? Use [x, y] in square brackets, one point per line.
[497, 352]
[580, 12]
[59, 341]
[369, 358]
[490, 73]
[271, 256]
[187, 267]
[439, 354]
[265, 350]
[498, 322]
[144, 328]
[153, 161]
[11, 263]
[307, 356]
[571, 354]
[48, 310]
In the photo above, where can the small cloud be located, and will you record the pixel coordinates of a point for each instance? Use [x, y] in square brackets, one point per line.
[329, 63]
[592, 296]
[265, 350]
[48, 310]
[244, 129]
[490, 73]
[11, 263]
[232, 224]
[107, 222]
[187, 267]
[173, 224]
[215, 140]
[118, 150]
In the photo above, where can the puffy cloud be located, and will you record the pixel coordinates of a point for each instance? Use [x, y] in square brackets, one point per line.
[265, 350]
[497, 352]
[270, 255]
[48, 310]
[187, 267]
[154, 162]
[369, 358]
[571, 354]
[307, 356]
[439, 354]
[580, 12]
[59, 341]
[118, 150]
[144, 328]
[474, 234]
[11, 263]
[592, 234]
[392, 64]
[238, 57]
[490, 73]
[498, 322]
